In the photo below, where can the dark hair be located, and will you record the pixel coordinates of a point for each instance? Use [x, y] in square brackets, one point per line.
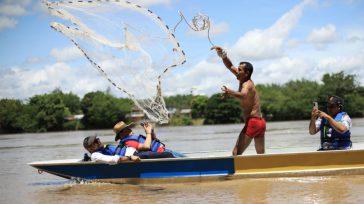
[248, 67]
[338, 101]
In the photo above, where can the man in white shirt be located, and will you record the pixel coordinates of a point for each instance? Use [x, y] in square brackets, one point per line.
[114, 154]
[111, 154]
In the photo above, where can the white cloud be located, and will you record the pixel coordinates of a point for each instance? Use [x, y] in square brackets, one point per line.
[66, 54]
[267, 44]
[351, 64]
[354, 39]
[322, 36]
[292, 43]
[6, 23]
[355, 36]
[283, 70]
[23, 83]
[12, 10]
[205, 77]
[20, 2]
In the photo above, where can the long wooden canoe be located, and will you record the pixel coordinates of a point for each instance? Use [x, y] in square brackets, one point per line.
[210, 168]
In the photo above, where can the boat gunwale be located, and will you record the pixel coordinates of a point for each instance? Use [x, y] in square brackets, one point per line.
[80, 162]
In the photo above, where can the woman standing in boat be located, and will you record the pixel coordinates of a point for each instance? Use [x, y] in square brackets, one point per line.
[334, 125]
[141, 142]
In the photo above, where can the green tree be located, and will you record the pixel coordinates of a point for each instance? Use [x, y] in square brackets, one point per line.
[199, 106]
[102, 110]
[291, 101]
[272, 99]
[26, 119]
[70, 100]
[179, 101]
[346, 87]
[354, 104]
[49, 110]
[300, 95]
[337, 84]
[222, 110]
[10, 110]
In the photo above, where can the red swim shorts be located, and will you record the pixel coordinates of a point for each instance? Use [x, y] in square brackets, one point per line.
[254, 127]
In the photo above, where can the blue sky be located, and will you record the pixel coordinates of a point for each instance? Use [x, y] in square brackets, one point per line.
[284, 39]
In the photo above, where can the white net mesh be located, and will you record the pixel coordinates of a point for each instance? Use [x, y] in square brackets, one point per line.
[130, 46]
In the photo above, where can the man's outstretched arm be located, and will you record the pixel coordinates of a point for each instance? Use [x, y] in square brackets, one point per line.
[227, 62]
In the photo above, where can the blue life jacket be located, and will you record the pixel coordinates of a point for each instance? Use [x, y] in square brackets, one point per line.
[332, 139]
[141, 139]
[112, 150]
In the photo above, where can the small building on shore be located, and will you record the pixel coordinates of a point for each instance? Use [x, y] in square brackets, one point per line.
[136, 115]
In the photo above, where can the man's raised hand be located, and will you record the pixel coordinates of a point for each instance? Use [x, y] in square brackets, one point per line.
[220, 52]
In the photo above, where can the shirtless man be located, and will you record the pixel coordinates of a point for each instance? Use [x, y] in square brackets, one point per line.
[250, 103]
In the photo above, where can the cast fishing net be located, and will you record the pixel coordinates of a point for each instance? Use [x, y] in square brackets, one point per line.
[129, 45]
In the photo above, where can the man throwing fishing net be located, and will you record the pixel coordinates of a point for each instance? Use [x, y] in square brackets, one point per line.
[250, 104]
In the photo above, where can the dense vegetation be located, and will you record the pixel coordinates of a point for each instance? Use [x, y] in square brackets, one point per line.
[290, 101]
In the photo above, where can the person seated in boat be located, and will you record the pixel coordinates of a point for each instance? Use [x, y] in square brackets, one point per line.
[113, 154]
[124, 133]
[334, 125]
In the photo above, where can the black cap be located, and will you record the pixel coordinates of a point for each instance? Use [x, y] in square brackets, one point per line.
[335, 100]
[89, 141]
